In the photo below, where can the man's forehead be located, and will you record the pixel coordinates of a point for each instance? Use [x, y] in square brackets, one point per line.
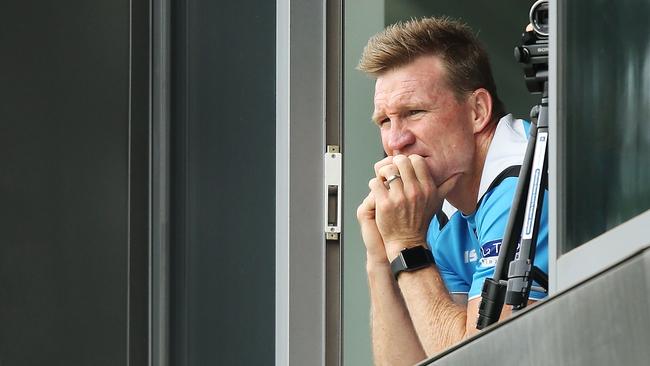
[394, 89]
[420, 67]
[408, 79]
[407, 92]
[387, 85]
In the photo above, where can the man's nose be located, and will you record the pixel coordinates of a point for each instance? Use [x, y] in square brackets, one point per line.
[399, 138]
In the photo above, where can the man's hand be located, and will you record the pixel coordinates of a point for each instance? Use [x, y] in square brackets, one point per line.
[376, 252]
[405, 208]
[393, 216]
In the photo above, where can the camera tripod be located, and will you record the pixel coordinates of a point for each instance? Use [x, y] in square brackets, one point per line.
[512, 283]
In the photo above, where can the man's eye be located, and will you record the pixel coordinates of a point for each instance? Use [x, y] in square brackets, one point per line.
[415, 111]
[381, 122]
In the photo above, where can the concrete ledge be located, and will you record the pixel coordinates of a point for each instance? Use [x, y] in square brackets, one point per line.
[603, 321]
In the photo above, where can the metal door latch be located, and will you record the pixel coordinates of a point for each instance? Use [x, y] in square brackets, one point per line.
[333, 193]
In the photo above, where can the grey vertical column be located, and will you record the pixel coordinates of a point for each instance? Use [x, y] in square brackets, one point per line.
[159, 300]
[300, 248]
[555, 163]
[139, 194]
[333, 141]
[362, 149]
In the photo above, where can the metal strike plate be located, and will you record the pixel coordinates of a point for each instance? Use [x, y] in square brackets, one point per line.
[333, 194]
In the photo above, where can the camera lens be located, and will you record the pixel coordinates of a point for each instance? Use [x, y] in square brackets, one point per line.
[539, 17]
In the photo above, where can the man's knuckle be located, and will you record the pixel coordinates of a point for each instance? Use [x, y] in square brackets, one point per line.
[380, 164]
[386, 205]
[413, 195]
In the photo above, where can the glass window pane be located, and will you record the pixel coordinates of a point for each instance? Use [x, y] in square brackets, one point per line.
[223, 184]
[606, 93]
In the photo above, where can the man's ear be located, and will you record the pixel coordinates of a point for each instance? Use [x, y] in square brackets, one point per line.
[481, 104]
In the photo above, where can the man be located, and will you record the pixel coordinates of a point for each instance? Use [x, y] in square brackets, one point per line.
[449, 143]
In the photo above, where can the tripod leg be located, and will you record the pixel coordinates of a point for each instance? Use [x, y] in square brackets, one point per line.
[494, 291]
[519, 273]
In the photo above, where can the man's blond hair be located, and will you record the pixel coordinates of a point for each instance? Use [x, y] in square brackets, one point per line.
[465, 59]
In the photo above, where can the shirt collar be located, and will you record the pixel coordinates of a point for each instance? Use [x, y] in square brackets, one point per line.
[507, 148]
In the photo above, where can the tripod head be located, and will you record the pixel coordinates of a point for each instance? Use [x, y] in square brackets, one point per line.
[533, 51]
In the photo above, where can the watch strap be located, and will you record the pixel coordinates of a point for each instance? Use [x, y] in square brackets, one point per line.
[412, 259]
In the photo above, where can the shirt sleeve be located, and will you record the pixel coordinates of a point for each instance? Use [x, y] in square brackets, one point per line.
[491, 221]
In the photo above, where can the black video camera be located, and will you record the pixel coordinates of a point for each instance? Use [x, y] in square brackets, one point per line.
[533, 52]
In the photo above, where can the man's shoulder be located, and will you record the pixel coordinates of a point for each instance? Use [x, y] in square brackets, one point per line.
[500, 193]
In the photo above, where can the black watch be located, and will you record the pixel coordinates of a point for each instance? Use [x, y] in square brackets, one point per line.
[412, 259]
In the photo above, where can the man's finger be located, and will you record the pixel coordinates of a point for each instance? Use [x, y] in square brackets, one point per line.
[406, 171]
[369, 202]
[381, 163]
[387, 170]
[372, 239]
[377, 188]
[391, 177]
[366, 210]
[421, 170]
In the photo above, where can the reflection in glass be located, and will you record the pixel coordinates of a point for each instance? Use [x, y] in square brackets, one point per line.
[606, 78]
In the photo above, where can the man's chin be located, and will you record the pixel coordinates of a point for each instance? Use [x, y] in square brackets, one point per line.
[449, 179]
[438, 181]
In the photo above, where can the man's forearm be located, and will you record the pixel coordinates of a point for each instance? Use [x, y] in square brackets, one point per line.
[439, 322]
[394, 339]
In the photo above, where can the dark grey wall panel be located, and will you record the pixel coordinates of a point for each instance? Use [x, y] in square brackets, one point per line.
[601, 322]
[66, 192]
[223, 272]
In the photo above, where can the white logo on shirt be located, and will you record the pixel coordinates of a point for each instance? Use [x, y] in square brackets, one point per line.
[470, 256]
[490, 253]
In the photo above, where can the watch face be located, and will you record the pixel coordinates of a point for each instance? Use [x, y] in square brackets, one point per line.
[415, 257]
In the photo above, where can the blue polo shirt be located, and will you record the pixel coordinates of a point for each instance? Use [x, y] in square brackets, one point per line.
[466, 248]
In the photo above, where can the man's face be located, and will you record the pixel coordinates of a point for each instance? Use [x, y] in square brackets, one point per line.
[417, 113]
